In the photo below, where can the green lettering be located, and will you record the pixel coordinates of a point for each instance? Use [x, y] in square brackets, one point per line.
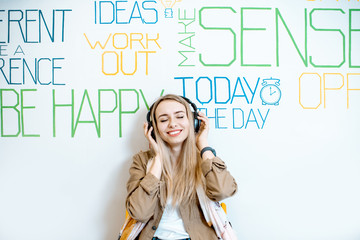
[303, 58]
[329, 30]
[242, 30]
[93, 121]
[100, 105]
[14, 107]
[71, 105]
[121, 111]
[221, 29]
[351, 30]
[22, 107]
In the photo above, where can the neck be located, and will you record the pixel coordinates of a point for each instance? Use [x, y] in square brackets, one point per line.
[175, 153]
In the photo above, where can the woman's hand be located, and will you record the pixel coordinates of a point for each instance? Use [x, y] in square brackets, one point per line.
[152, 143]
[202, 135]
[154, 165]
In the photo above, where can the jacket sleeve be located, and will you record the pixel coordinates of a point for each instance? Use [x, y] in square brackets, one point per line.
[220, 184]
[142, 189]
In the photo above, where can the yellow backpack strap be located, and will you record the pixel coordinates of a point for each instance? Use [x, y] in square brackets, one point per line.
[223, 205]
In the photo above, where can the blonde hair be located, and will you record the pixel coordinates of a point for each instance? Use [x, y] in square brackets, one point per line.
[183, 178]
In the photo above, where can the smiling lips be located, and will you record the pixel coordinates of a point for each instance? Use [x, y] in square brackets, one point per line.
[174, 133]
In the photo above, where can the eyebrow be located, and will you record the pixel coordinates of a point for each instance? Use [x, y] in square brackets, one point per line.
[165, 114]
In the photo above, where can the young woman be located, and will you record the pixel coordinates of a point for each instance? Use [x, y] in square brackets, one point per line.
[163, 181]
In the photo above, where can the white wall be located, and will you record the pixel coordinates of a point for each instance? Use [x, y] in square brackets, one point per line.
[298, 169]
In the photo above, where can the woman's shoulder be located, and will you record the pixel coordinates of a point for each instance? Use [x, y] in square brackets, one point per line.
[143, 156]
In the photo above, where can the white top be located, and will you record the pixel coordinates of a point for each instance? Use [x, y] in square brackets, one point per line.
[171, 225]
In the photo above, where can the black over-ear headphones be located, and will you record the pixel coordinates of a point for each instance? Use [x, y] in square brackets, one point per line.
[195, 114]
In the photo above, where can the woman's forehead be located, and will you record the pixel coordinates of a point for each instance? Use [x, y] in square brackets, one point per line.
[169, 107]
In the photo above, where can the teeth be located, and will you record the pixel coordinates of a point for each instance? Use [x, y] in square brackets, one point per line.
[174, 133]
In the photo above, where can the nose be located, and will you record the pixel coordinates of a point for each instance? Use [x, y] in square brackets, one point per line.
[172, 123]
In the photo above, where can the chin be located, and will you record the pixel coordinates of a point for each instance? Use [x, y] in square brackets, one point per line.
[175, 142]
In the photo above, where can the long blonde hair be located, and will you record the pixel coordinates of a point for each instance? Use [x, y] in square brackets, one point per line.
[183, 178]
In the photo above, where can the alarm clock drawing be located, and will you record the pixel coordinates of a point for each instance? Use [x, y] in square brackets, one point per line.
[270, 93]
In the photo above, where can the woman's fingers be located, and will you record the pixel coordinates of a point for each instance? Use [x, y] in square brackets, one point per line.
[204, 120]
[147, 133]
[145, 128]
[201, 137]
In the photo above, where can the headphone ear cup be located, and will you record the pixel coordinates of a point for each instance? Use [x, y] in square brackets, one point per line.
[197, 122]
[150, 123]
[153, 131]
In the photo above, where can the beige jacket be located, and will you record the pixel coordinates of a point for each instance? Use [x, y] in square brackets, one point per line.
[146, 196]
